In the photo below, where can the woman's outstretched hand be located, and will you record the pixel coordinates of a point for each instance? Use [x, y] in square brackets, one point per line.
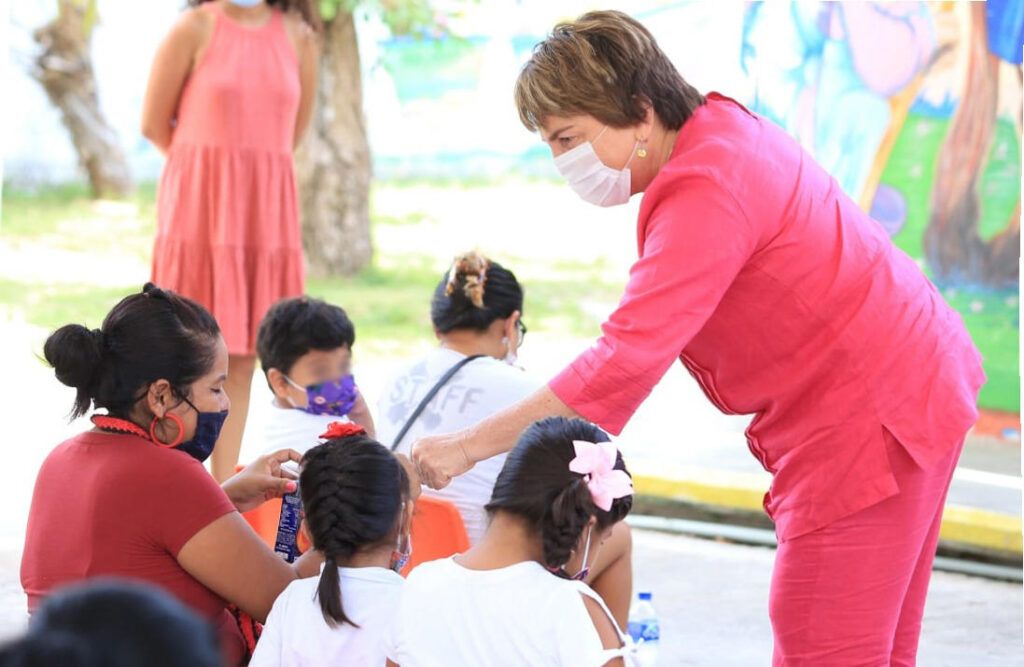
[261, 480]
[439, 458]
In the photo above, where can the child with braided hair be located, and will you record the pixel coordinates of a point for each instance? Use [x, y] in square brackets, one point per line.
[517, 597]
[358, 499]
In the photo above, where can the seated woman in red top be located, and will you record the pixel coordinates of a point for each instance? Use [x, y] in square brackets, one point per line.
[130, 497]
[785, 301]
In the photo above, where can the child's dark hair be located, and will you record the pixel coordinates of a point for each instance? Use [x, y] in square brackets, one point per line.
[293, 327]
[353, 490]
[474, 293]
[114, 623]
[536, 484]
[146, 337]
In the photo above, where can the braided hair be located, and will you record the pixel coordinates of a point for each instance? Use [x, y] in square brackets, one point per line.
[353, 490]
[536, 484]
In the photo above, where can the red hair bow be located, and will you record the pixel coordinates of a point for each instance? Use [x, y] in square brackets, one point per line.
[342, 430]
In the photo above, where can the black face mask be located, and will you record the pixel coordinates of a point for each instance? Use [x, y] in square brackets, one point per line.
[208, 427]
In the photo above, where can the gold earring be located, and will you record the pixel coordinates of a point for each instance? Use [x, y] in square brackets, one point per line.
[642, 151]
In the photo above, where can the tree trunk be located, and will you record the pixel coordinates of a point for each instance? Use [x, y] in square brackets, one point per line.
[333, 163]
[64, 68]
[953, 246]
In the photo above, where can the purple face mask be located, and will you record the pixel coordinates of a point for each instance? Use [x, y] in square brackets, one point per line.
[334, 397]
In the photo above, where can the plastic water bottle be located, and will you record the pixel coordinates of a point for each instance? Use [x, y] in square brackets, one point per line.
[645, 630]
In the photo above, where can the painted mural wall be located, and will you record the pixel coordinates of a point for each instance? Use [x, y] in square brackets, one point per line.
[914, 107]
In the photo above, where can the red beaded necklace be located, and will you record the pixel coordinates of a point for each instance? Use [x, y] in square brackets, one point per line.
[118, 425]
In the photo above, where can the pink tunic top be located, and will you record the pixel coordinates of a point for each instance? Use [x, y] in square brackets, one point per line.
[228, 231]
[786, 301]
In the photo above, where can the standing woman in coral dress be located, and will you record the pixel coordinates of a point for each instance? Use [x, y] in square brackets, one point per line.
[230, 93]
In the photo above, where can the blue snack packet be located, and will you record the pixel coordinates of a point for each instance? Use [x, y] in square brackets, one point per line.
[286, 545]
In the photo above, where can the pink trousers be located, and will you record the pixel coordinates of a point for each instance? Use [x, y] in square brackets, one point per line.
[853, 592]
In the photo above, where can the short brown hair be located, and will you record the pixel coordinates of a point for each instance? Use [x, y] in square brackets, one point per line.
[605, 64]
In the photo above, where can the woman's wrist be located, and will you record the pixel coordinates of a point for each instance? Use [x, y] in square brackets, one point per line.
[230, 489]
[465, 454]
[469, 446]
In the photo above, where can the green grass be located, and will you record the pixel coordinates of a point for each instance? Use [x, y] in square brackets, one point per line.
[50, 306]
[389, 302]
[394, 303]
[391, 305]
[47, 211]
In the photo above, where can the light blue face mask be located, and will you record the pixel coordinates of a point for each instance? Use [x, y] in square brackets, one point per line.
[246, 3]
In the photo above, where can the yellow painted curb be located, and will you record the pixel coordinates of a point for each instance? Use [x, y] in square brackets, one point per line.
[981, 528]
[706, 491]
[742, 491]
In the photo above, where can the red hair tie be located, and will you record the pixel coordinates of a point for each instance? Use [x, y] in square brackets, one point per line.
[342, 430]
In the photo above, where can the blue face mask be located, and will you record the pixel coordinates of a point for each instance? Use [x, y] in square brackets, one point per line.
[246, 3]
[208, 427]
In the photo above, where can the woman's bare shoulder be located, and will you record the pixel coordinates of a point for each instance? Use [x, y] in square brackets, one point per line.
[193, 27]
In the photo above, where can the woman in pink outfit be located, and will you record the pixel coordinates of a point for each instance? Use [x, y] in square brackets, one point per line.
[230, 95]
[785, 301]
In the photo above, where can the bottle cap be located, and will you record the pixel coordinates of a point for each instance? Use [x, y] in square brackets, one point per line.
[645, 596]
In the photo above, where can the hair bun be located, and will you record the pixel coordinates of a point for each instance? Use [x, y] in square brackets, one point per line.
[152, 291]
[468, 272]
[75, 354]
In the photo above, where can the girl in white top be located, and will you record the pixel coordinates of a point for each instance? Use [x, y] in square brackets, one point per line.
[476, 311]
[517, 597]
[358, 509]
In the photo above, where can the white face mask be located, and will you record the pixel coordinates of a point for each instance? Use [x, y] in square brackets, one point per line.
[246, 3]
[510, 356]
[593, 180]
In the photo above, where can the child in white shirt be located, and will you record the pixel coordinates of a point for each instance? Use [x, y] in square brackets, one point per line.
[357, 498]
[305, 350]
[517, 596]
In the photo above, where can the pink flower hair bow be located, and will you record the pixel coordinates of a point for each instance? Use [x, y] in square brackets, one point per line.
[596, 462]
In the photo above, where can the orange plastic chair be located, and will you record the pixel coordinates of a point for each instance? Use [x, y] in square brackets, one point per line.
[264, 520]
[437, 532]
[437, 529]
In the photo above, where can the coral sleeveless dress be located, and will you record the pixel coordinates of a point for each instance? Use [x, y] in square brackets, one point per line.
[228, 232]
